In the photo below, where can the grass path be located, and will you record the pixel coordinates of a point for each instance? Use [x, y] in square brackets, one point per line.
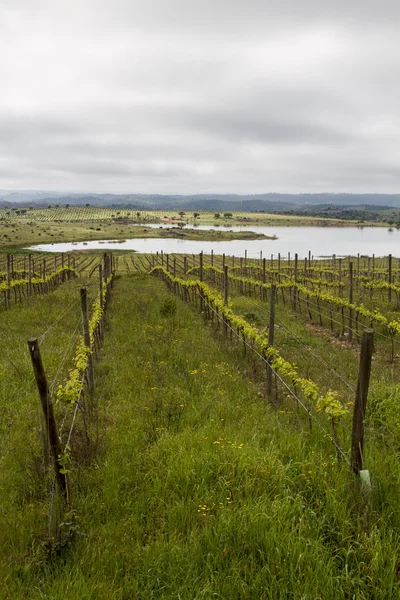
[200, 490]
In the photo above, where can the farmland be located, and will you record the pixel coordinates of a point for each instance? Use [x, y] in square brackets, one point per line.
[208, 460]
[29, 226]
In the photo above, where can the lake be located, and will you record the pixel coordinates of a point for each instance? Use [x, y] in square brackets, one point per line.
[320, 241]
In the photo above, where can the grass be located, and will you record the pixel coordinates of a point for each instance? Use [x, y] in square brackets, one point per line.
[58, 224]
[200, 490]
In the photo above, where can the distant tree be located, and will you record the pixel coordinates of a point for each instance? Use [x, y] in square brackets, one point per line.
[138, 215]
[181, 213]
[227, 215]
[217, 215]
[67, 205]
[196, 215]
[87, 205]
[181, 224]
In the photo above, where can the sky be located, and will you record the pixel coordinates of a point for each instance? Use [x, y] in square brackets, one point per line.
[184, 97]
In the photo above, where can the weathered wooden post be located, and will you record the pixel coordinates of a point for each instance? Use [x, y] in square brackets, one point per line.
[350, 329]
[357, 444]
[101, 285]
[48, 413]
[185, 268]
[226, 285]
[390, 277]
[296, 259]
[8, 275]
[86, 339]
[271, 332]
[30, 274]
[226, 292]
[201, 279]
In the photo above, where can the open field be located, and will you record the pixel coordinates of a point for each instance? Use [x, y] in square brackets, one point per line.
[58, 224]
[185, 477]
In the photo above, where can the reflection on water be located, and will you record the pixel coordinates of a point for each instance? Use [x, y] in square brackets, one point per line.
[320, 241]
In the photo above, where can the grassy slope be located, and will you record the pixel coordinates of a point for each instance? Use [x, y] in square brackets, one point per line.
[202, 490]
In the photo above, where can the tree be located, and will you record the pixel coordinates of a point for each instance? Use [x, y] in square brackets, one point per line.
[196, 215]
[217, 215]
[227, 215]
[181, 213]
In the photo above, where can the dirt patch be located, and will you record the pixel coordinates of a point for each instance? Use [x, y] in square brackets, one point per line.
[336, 341]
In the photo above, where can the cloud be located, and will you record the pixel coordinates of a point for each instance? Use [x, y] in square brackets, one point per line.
[127, 96]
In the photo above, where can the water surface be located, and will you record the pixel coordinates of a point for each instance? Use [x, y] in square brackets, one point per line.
[320, 241]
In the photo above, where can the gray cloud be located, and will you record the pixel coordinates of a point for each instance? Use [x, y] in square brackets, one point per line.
[127, 96]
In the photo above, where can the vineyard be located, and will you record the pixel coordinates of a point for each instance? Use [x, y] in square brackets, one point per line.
[199, 426]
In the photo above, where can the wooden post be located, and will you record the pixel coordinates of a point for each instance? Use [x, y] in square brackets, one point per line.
[47, 406]
[223, 261]
[263, 271]
[184, 268]
[226, 285]
[8, 268]
[174, 267]
[86, 338]
[357, 444]
[226, 289]
[30, 274]
[101, 285]
[271, 331]
[201, 266]
[245, 259]
[390, 277]
[296, 259]
[212, 258]
[201, 279]
[350, 329]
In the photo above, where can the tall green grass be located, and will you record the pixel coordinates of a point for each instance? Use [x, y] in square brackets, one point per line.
[200, 489]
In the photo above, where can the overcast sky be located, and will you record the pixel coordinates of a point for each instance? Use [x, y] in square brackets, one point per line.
[183, 96]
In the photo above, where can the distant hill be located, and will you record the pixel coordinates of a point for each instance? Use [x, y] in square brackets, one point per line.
[268, 202]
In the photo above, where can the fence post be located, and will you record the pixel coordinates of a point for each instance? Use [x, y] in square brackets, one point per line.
[184, 268]
[296, 262]
[350, 330]
[8, 294]
[390, 278]
[226, 285]
[357, 442]
[271, 332]
[201, 279]
[86, 338]
[226, 292]
[47, 406]
[201, 266]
